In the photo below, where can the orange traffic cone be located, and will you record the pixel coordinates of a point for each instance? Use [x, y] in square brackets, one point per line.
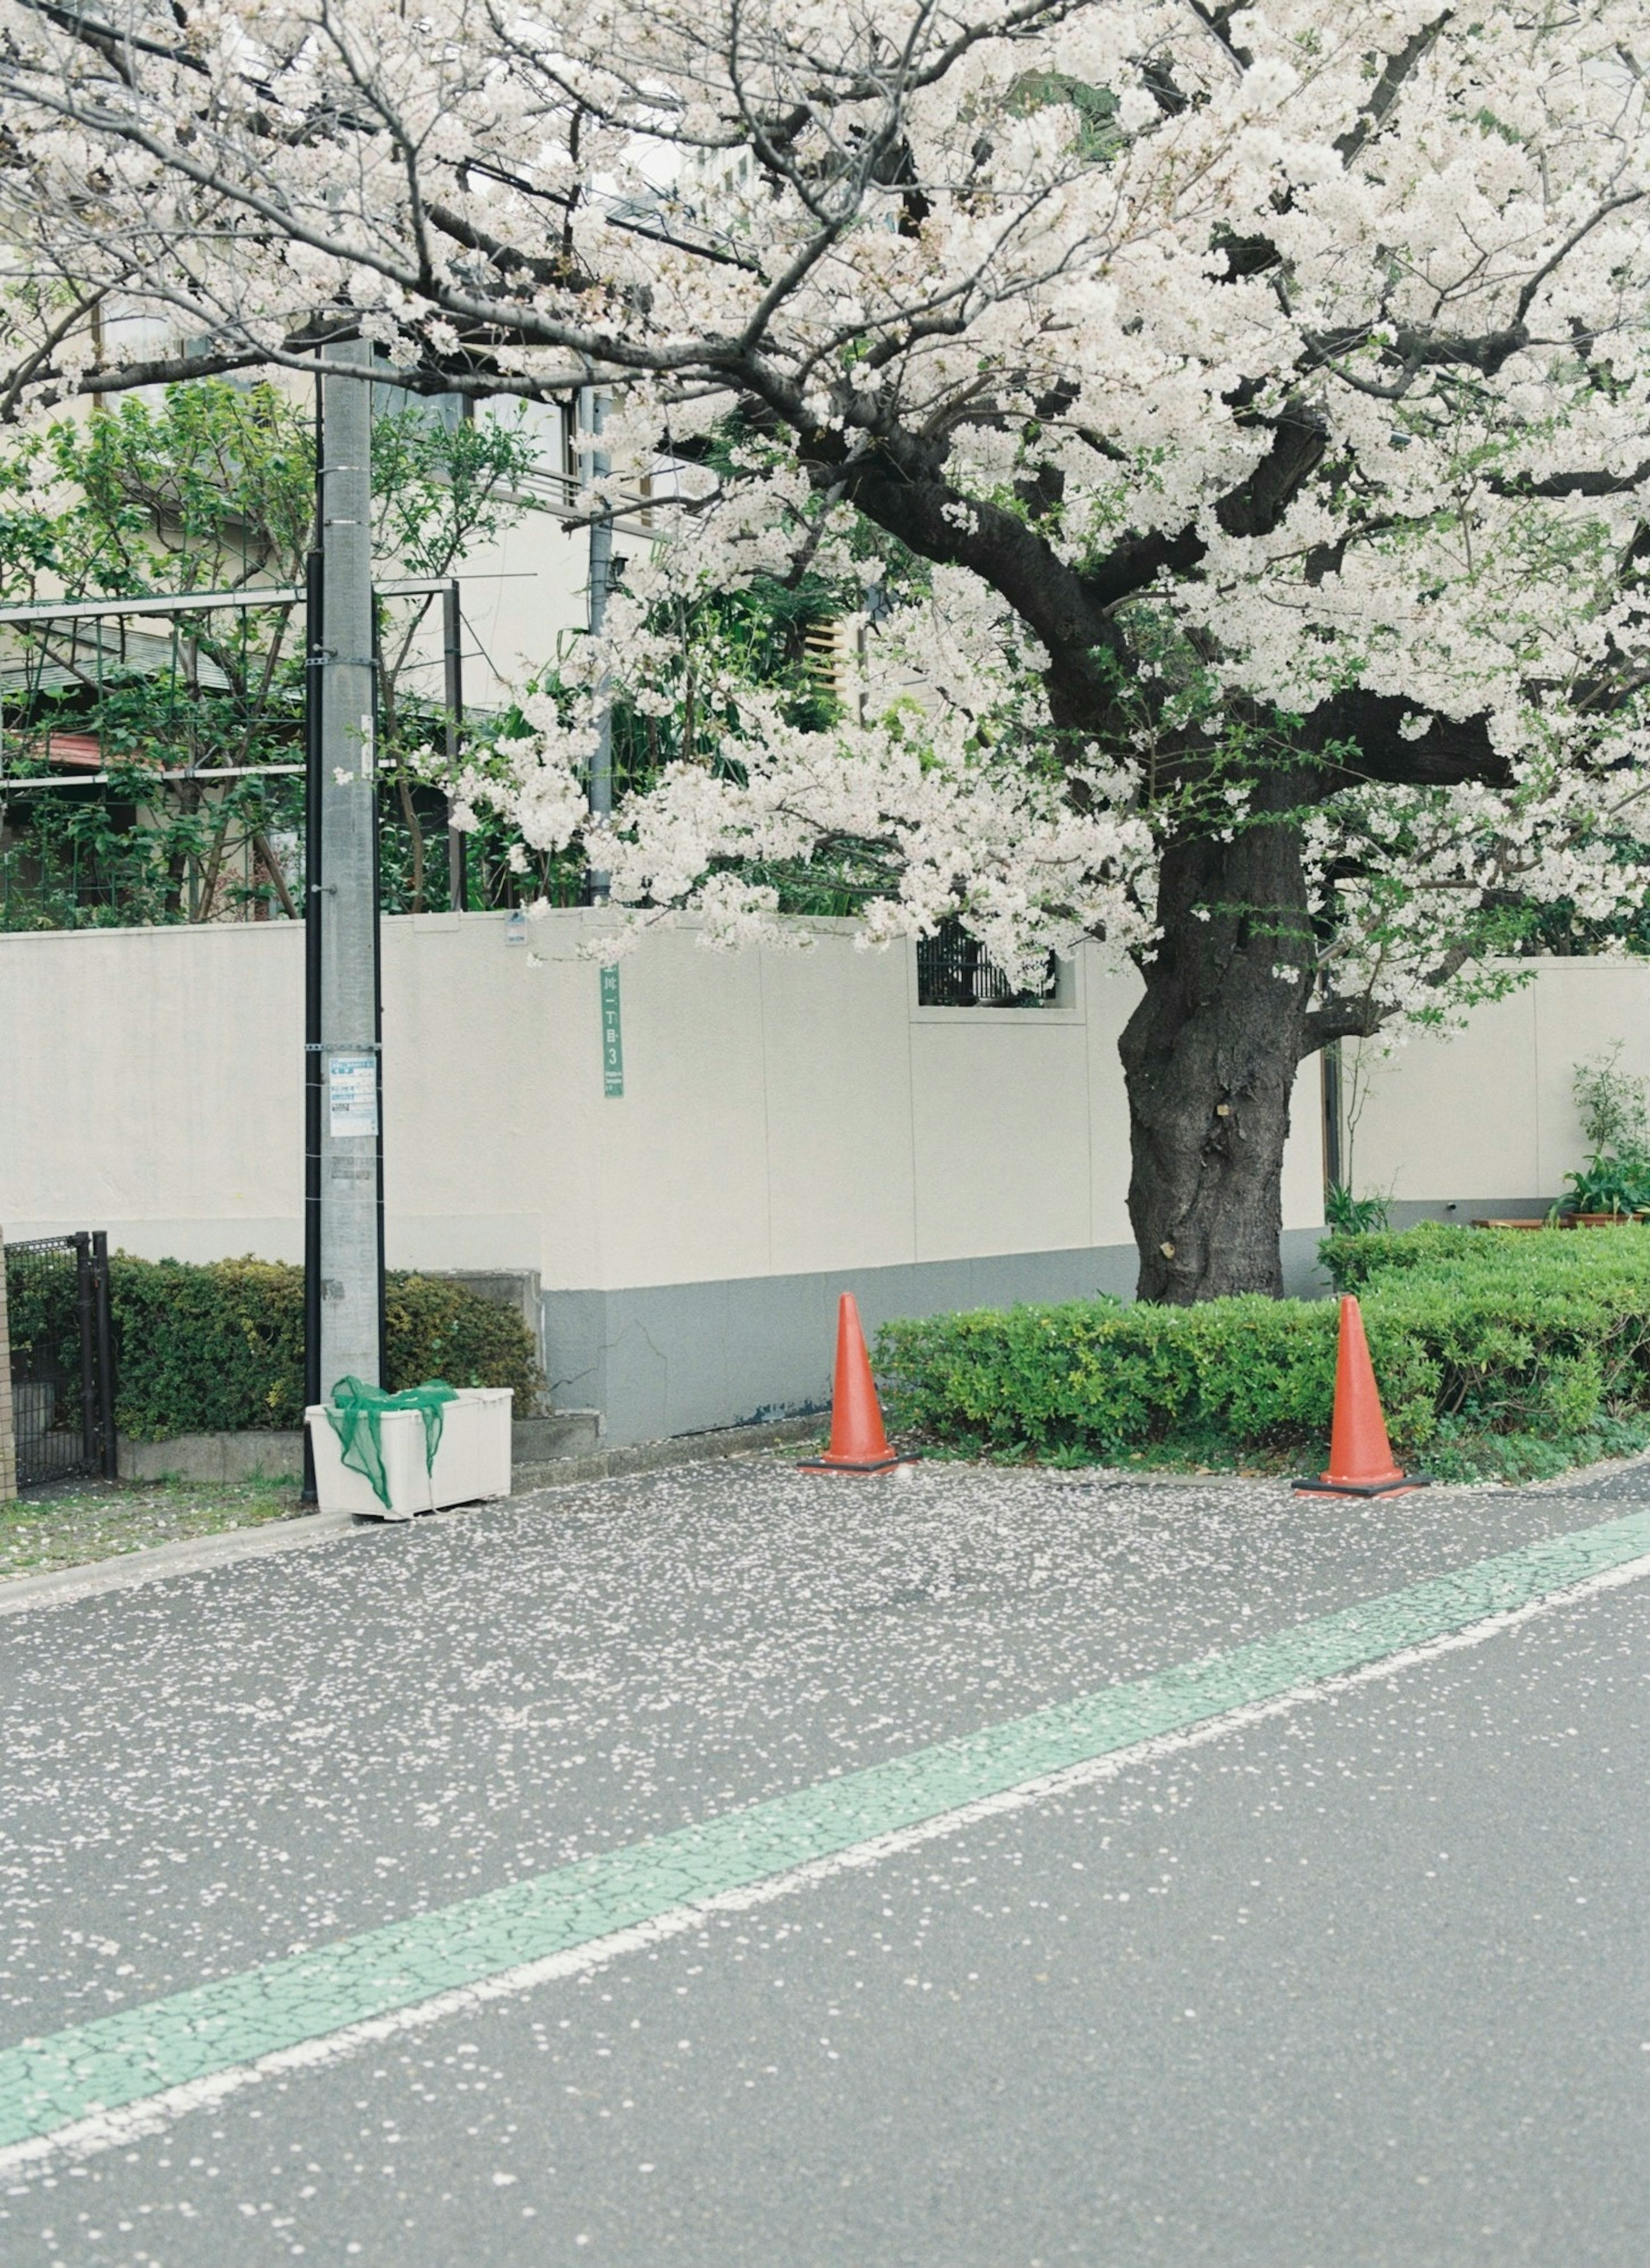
[858, 1444]
[1360, 1455]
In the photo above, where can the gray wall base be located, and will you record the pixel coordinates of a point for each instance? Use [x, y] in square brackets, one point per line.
[222, 1457]
[659, 1360]
[1460, 1213]
[212, 1457]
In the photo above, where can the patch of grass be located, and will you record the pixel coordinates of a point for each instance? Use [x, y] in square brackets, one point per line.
[1182, 1453]
[100, 1521]
[1461, 1455]
[1457, 1453]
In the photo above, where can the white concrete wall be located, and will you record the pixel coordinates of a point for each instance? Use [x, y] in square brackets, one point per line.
[523, 597]
[784, 1113]
[151, 1081]
[1486, 1117]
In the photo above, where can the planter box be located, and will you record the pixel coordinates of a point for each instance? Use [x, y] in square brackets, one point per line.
[1573, 1220]
[472, 1462]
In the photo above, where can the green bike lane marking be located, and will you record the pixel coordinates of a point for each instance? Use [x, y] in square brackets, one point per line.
[192, 2046]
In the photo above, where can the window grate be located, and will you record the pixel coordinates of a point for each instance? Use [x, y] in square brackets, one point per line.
[953, 970]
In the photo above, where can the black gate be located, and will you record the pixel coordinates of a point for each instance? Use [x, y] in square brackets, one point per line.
[62, 1371]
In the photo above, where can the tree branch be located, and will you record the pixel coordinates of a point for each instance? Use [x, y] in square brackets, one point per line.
[1255, 506]
[1388, 86]
[1342, 1020]
[1453, 752]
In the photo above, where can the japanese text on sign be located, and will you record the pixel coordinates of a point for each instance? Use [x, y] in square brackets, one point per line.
[351, 1095]
[611, 1037]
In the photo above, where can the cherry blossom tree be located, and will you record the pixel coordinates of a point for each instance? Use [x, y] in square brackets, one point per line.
[1235, 420]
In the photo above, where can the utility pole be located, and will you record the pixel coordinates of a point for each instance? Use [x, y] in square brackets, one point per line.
[596, 465]
[344, 1211]
[453, 672]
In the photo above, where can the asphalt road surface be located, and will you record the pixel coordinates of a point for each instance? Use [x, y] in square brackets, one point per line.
[812, 1873]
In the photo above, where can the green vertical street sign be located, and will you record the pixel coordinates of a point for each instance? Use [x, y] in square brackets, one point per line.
[612, 1036]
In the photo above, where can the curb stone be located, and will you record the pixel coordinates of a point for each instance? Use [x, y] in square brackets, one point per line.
[188, 1555]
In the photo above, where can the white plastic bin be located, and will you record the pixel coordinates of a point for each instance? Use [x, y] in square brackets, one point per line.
[472, 1462]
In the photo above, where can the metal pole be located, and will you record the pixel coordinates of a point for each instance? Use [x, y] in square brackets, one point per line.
[350, 1272]
[313, 1078]
[452, 654]
[378, 965]
[596, 465]
[1330, 1059]
[106, 1353]
[88, 1383]
[201, 602]
[8, 1406]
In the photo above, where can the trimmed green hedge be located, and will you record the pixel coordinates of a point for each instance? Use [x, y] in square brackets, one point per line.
[1352, 1262]
[1475, 1333]
[220, 1348]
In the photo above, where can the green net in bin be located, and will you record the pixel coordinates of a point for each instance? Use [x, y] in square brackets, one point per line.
[355, 1415]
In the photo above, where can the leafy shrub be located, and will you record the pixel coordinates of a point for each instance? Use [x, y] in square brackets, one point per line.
[1556, 1258]
[206, 1349]
[1474, 1334]
[1095, 1375]
[1612, 1184]
[1349, 1216]
[1544, 1333]
[1614, 1107]
[1353, 1262]
[220, 1347]
[437, 1329]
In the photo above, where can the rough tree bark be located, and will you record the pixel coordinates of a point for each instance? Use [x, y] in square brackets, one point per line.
[1210, 1056]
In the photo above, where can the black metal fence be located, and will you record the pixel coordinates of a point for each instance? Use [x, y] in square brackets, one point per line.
[953, 970]
[63, 1369]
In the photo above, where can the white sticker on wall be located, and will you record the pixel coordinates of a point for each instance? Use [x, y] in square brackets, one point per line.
[351, 1095]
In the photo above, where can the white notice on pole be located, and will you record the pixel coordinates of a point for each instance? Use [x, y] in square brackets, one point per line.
[351, 1095]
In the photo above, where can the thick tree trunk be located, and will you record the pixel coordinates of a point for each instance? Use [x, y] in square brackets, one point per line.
[1210, 1056]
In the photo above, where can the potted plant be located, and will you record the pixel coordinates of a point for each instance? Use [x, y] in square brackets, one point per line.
[1609, 1191]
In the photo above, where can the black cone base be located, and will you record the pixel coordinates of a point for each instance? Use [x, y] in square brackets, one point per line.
[851, 1464]
[1402, 1486]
